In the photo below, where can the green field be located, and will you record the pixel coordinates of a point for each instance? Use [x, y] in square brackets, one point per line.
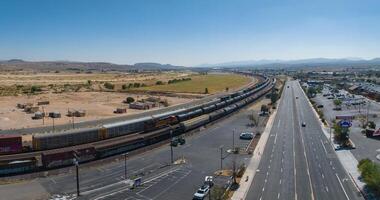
[214, 82]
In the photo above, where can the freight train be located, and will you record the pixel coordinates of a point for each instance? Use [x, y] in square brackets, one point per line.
[57, 149]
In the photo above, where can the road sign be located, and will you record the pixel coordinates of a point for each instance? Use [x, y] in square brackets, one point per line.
[345, 117]
[345, 124]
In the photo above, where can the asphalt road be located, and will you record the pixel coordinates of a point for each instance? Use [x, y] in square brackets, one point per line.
[298, 162]
[161, 181]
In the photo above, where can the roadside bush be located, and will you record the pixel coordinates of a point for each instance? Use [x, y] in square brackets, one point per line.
[35, 88]
[130, 100]
[159, 83]
[206, 90]
[109, 86]
[371, 124]
[370, 172]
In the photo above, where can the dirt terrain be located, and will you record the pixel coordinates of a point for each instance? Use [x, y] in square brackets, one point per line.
[97, 105]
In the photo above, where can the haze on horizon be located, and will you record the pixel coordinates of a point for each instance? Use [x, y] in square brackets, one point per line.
[188, 32]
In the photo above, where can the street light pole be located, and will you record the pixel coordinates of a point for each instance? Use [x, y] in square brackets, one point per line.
[233, 140]
[77, 174]
[125, 166]
[221, 158]
[171, 147]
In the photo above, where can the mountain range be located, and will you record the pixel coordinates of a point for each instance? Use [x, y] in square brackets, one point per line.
[305, 62]
[18, 64]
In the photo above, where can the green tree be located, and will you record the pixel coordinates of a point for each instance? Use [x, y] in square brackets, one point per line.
[159, 83]
[371, 124]
[109, 86]
[274, 97]
[206, 90]
[130, 100]
[35, 88]
[337, 102]
[370, 172]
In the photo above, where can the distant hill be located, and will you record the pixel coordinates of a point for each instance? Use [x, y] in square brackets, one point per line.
[350, 62]
[18, 64]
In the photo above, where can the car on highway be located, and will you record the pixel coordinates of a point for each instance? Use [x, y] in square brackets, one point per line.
[202, 192]
[303, 124]
[246, 136]
[296, 97]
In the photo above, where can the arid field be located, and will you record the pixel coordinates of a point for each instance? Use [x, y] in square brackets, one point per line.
[72, 91]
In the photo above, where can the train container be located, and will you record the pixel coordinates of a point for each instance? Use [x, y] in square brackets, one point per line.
[240, 104]
[67, 138]
[85, 154]
[230, 109]
[121, 145]
[125, 127]
[24, 165]
[189, 115]
[65, 157]
[217, 114]
[221, 104]
[10, 144]
[212, 102]
[194, 123]
[158, 136]
[229, 101]
[52, 159]
[209, 109]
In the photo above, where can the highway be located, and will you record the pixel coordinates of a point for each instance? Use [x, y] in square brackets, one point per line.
[298, 162]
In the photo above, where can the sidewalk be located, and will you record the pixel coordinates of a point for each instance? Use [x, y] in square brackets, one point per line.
[250, 172]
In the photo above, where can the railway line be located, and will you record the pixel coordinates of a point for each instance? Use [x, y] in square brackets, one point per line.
[59, 149]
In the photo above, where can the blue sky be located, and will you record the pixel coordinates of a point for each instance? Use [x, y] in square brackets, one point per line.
[188, 32]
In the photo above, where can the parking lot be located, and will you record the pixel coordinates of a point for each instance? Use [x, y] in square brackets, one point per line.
[365, 147]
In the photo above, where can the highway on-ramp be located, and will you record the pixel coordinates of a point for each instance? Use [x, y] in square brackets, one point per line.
[298, 162]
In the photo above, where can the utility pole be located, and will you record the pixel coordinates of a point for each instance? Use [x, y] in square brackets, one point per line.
[233, 140]
[73, 120]
[125, 166]
[53, 125]
[221, 158]
[75, 160]
[367, 111]
[171, 147]
[43, 115]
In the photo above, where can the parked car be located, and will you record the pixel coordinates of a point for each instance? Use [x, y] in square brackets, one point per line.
[202, 192]
[320, 106]
[246, 136]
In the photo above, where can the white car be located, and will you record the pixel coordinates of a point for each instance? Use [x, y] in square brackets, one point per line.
[246, 136]
[201, 192]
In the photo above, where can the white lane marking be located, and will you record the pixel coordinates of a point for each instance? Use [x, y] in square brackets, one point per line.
[324, 147]
[327, 189]
[280, 181]
[275, 138]
[279, 122]
[278, 196]
[341, 185]
[263, 189]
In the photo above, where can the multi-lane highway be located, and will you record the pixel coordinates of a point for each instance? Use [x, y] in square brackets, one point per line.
[298, 162]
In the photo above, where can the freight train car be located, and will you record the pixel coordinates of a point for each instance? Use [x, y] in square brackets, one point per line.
[10, 144]
[18, 166]
[65, 157]
[194, 123]
[66, 138]
[125, 127]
